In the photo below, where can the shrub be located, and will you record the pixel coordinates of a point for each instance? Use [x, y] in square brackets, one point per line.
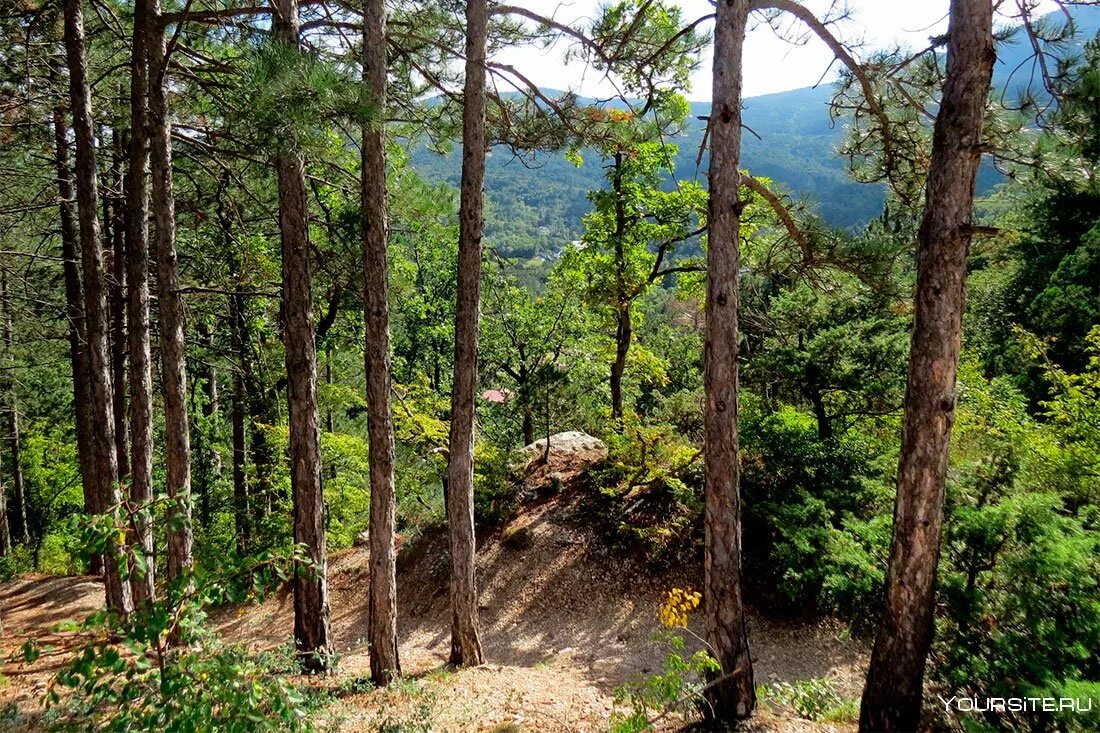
[496, 488]
[206, 686]
[1021, 599]
[801, 495]
[1080, 720]
[167, 672]
[1019, 610]
[650, 492]
[678, 687]
[853, 570]
[815, 699]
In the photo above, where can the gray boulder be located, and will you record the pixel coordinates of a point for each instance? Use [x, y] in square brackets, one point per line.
[570, 442]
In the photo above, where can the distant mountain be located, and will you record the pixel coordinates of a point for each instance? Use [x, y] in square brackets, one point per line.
[533, 208]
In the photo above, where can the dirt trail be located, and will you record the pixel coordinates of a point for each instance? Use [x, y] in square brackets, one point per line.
[564, 620]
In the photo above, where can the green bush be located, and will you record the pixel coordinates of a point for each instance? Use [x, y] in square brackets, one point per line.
[649, 493]
[1077, 721]
[815, 699]
[166, 671]
[854, 570]
[678, 688]
[801, 496]
[1019, 606]
[496, 486]
[206, 686]
[1022, 597]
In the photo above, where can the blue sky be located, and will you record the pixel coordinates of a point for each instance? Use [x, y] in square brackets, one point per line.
[771, 63]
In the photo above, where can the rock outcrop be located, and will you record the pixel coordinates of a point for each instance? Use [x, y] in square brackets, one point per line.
[573, 442]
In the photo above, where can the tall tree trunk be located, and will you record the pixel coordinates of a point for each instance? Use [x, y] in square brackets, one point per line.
[74, 313]
[623, 328]
[241, 513]
[311, 607]
[95, 300]
[119, 376]
[624, 334]
[330, 421]
[5, 533]
[263, 413]
[895, 680]
[382, 630]
[528, 424]
[813, 392]
[732, 695]
[210, 464]
[465, 644]
[238, 344]
[173, 359]
[16, 508]
[6, 522]
[136, 191]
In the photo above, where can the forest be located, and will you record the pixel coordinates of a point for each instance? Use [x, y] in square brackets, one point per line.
[351, 380]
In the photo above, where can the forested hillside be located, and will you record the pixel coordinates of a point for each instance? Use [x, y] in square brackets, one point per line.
[536, 201]
[630, 415]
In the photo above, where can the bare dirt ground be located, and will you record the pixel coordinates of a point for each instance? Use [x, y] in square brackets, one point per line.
[32, 608]
[564, 621]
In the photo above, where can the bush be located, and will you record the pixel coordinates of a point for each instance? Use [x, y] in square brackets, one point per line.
[206, 686]
[167, 672]
[1019, 610]
[815, 699]
[678, 688]
[801, 496]
[496, 487]
[1081, 720]
[854, 571]
[1021, 599]
[650, 492]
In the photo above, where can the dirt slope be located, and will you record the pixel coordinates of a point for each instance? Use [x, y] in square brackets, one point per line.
[564, 622]
[32, 608]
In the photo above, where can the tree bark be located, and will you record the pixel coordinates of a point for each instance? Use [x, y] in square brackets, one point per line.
[893, 694]
[528, 424]
[814, 392]
[16, 508]
[242, 523]
[263, 413]
[311, 605]
[241, 515]
[6, 521]
[95, 301]
[74, 313]
[210, 463]
[382, 630]
[136, 192]
[732, 695]
[465, 643]
[5, 533]
[330, 418]
[119, 376]
[624, 334]
[624, 331]
[173, 359]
